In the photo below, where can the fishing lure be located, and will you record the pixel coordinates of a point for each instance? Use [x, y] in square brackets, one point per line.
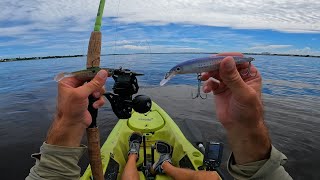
[200, 65]
[90, 73]
[86, 74]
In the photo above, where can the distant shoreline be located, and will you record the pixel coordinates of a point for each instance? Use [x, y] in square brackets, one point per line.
[38, 58]
[81, 55]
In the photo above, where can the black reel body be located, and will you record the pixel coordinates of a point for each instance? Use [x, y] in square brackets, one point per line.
[126, 85]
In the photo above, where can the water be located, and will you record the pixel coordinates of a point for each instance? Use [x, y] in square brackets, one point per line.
[291, 89]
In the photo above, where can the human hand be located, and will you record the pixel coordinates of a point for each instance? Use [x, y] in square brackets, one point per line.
[239, 108]
[72, 117]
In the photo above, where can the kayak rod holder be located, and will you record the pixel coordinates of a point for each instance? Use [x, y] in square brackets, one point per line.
[144, 151]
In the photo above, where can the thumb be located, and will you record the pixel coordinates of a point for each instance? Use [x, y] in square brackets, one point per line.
[95, 84]
[231, 77]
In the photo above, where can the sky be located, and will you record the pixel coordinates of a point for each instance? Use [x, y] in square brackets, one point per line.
[62, 27]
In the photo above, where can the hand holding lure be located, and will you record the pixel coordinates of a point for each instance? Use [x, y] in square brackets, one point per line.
[199, 65]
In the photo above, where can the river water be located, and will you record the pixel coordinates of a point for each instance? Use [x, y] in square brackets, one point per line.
[291, 94]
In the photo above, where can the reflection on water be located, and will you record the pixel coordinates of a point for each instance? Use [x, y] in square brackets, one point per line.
[291, 97]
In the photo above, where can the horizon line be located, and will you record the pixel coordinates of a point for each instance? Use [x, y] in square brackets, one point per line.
[119, 54]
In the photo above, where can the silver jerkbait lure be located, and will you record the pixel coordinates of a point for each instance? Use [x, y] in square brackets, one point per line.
[200, 65]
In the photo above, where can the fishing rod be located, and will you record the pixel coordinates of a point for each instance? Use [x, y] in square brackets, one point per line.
[93, 60]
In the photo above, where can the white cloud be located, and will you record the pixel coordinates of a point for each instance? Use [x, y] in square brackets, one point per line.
[284, 49]
[14, 31]
[155, 48]
[183, 49]
[134, 47]
[282, 15]
[52, 23]
[173, 48]
[304, 51]
[269, 47]
[120, 42]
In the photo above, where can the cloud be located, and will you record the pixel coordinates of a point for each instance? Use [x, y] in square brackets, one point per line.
[284, 15]
[141, 25]
[304, 51]
[270, 47]
[284, 49]
[134, 47]
[159, 48]
[14, 31]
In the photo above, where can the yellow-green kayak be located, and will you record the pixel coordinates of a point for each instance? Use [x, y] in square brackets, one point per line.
[155, 125]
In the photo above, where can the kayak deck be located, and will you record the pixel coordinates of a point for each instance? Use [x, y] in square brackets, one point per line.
[155, 125]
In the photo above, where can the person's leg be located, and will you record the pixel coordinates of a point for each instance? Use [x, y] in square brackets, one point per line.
[157, 166]
[130, 170]
[188, 174]
[164, 166]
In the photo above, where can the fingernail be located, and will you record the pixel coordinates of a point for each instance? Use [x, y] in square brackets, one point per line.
[102, 73]
[96, 94]
[229, 65]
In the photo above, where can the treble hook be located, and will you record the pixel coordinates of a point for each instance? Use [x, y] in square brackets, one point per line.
[199, 89]
[248, 71]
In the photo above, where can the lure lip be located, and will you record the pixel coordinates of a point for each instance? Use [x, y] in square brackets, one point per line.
[167, 77]
[173, 71]
[60, 76]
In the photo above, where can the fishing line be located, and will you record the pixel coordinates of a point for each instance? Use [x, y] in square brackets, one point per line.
[148, 75]
[116, 35]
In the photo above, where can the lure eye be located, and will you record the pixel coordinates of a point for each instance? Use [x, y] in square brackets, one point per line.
[178, 69]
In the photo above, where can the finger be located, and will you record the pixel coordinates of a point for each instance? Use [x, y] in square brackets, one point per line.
[99, 103]
[98, 94]
[243, 65]
[95, 84]
[206, 75]
[210, 85]
[71, 82]
[231, 77]
[246, 75]
[230, 54]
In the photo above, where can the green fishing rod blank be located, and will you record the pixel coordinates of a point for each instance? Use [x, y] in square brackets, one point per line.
[97, 25]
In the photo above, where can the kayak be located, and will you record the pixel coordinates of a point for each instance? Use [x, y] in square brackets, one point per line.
[154, 125]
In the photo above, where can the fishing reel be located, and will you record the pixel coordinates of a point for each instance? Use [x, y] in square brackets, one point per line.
[125, 86]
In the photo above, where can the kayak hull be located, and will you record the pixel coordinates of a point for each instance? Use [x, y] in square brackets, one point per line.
[155, 125]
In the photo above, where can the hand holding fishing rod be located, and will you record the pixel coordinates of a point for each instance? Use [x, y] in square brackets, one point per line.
[239, 108]
[93, 61]
[72, 117]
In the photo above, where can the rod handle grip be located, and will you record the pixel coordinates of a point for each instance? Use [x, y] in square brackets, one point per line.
[93, 136]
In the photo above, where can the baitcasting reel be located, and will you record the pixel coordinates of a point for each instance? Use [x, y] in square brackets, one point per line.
[126, 85]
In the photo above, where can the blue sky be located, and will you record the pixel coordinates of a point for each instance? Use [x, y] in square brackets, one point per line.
[62, 27]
